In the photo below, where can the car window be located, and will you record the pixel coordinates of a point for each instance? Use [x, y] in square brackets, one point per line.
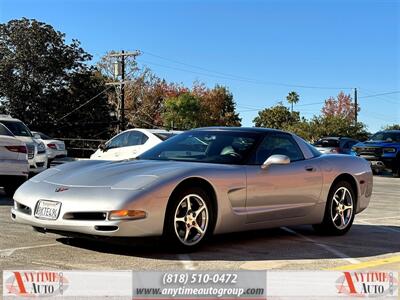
[5, 131]
[346, 145]
[352, 143]
[118, 141]
[44, 136]
[327, 143]
[205, 146]
[278, 144]
[386, 136]
[164, 136]
[17, 128]
[136, 138]
[313, 150]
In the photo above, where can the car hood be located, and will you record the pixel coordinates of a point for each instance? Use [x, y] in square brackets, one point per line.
[133, 174]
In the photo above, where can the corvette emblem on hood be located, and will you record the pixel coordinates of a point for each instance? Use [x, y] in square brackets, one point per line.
[61, 189]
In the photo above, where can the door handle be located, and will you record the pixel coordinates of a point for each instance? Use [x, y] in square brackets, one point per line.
[309, 168]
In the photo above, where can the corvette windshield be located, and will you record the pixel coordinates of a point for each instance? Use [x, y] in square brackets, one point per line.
[386, 136]
[205, 146]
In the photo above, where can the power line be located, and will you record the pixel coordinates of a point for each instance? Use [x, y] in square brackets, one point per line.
[82, 105]
[91, 99]
[381, 94]
[383, 98]
[232, 76]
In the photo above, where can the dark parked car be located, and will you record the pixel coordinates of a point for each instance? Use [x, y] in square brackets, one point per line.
[382, 150]
[334, 145]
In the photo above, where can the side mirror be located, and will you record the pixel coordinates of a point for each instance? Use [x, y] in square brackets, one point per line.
[102, 147]
[277, 159]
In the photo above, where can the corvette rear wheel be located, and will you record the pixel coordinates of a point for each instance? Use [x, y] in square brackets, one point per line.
[189, 219]
[339, 211]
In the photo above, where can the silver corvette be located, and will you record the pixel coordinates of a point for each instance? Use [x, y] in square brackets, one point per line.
[201, 182]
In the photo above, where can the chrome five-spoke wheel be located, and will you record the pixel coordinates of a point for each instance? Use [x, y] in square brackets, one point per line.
[191, 219]
[342, 208]
[339, 210]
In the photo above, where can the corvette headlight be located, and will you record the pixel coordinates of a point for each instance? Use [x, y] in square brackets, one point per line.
[135, 183]
[126, 215]
[389, 150]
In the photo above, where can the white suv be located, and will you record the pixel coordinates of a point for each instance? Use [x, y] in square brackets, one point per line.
[14, 166]
[37, 155]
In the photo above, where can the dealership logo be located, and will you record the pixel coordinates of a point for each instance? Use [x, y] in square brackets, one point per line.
[61, 189]
[368, 284]
[35, 283]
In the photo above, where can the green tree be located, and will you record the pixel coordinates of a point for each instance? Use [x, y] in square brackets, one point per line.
[292, 98]
[392, 127]
[182, 112]
[219, 108]
[92, 120]
[42, 78]
[278, 117]
[336, 126]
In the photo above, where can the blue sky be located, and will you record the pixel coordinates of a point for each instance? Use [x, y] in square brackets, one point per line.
[271, 47]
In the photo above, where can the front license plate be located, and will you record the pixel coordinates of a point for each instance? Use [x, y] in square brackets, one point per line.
[47, 210]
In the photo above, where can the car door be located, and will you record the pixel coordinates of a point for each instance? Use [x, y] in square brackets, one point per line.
[113, 147]
[134, 143]
[281, 191]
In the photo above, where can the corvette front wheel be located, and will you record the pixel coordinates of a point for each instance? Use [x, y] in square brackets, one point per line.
[189, 219]
[339, 211]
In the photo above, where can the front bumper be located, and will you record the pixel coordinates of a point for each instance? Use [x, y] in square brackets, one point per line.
[90, 200]
[38, 163]
[127, 228]
[381, 163]
[52, 154]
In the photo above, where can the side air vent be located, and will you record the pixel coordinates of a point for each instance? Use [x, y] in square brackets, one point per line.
[106, 228]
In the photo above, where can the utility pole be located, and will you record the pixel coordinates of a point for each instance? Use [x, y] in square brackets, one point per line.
[122, 113]
[355, 105]
[119, 70]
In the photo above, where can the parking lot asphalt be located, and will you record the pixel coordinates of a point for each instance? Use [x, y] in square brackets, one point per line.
[372, 243]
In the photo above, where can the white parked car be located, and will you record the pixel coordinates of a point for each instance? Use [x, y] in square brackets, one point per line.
[131, 143]
[14, 166]
[37, 155]
[54, 148]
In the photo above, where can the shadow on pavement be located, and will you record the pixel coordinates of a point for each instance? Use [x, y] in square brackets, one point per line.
[4, 200]
[271, 244]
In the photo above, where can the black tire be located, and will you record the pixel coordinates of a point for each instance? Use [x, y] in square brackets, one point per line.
[173, 234]
[329, 226]
[375, 171]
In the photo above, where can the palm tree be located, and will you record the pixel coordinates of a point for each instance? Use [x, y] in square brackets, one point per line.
[292, 98]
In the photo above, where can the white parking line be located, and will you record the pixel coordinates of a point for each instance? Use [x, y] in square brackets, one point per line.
[186, 262]
[10, 251]
[326, 247]
[379, 218]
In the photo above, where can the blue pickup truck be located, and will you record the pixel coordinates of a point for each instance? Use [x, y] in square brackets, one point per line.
[382, 150]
